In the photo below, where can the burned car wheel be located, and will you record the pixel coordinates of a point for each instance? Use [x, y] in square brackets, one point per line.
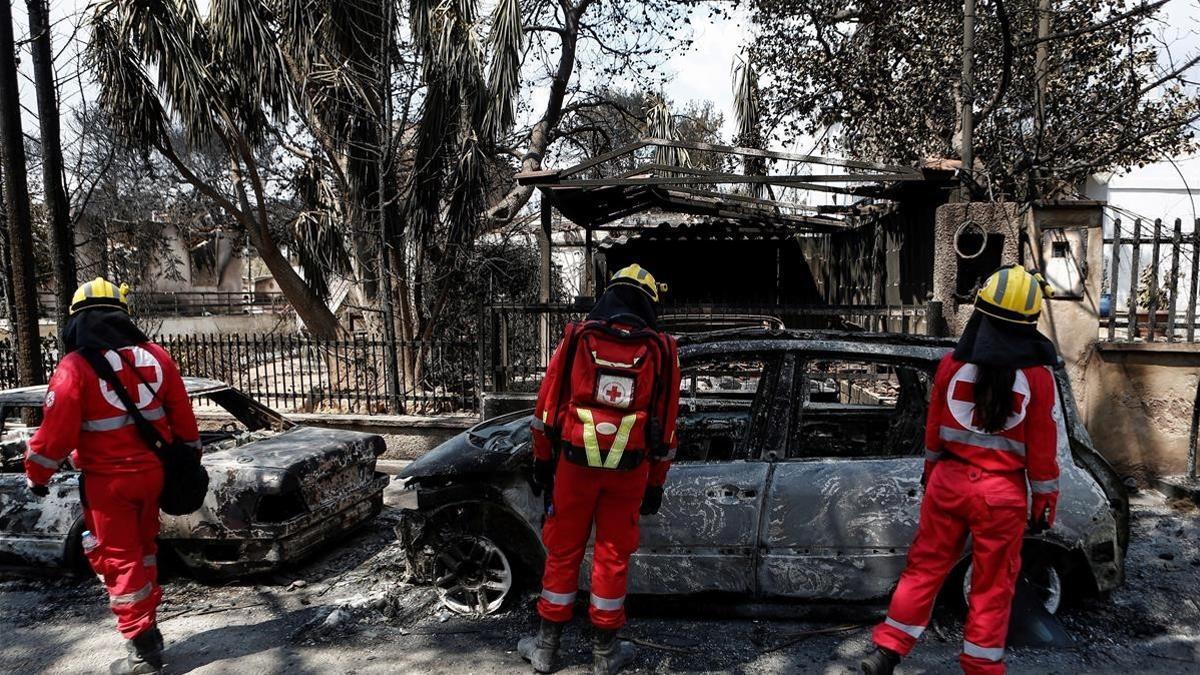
[472, 575]
[75, 560]
[1043, 576]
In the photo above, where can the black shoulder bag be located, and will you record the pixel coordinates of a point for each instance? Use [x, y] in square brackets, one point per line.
[185, 480]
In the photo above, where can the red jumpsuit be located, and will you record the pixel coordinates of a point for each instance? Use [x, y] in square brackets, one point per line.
[976, 487]
[594, 435]
[122, 477]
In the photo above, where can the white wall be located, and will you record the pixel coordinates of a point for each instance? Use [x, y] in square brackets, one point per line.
[1166, 190]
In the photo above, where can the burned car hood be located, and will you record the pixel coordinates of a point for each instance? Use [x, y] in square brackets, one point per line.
[307, 465]
[296, 446]
[498, 444]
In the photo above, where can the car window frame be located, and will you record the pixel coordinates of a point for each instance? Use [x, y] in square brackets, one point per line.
[800, 398]
[756, 435]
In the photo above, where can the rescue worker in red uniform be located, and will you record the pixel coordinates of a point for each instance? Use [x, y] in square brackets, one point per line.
[603, 441]
[995, 423]
[121, 477]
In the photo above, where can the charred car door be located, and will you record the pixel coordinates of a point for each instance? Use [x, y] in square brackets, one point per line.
[704, 537]
[842, 506]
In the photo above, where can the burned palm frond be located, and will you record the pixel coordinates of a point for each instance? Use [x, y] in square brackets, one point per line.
[462, 113]
[505, 42]
[318, 229]
[749, 121]
[126, 93]
[244, 40]
[660, 123]
[320, 247]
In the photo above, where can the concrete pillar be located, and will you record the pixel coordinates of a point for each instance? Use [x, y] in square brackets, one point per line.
[1067, 242]
[997, 226]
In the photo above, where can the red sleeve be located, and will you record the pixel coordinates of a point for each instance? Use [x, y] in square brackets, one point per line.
[659, 468]
[1043, 418]
[544, 417]
[175, 399]
[933, 417]
[62, 416]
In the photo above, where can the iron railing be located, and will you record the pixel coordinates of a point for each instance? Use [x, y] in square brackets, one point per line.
[1157, 298]
[185, 303]
[296, 373]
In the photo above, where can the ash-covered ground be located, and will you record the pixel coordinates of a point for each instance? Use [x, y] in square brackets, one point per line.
[350, 611]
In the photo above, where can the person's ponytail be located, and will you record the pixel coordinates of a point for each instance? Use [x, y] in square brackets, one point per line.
[993, 397]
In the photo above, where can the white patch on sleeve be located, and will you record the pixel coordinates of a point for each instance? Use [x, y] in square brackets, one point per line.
[50, 399]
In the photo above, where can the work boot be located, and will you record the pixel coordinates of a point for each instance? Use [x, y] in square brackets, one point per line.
[145, 655]
[609, 654]
[541, 650]
[882, 661]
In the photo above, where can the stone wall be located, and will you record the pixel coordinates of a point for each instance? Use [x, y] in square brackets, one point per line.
[1138, 403]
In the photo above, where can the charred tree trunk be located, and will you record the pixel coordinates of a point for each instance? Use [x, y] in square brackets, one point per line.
[62, 238]
[16, 201]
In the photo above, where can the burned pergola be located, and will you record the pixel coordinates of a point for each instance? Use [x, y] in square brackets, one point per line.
[774, 192]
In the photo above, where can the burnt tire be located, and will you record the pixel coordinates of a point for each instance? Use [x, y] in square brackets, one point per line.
[1043, 573]
[473, 540]
[73, 558]
[473, 575]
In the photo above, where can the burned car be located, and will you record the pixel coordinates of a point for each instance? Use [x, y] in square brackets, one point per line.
[797, 476]
[277, 491]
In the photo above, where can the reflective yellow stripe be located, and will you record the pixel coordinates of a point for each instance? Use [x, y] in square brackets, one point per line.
[619, 443]
[590, 444]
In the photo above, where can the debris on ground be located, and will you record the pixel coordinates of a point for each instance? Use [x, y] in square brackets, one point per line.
[353, 609]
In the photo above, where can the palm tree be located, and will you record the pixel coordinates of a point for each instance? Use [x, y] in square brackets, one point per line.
[222, 83]
[749, 122]
[660, 123]
[465, 111]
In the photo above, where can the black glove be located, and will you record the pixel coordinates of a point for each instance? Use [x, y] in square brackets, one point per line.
[543, 475]
[38, 491]
[651, 500]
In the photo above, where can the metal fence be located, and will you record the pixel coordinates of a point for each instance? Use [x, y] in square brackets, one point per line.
[185, 303]
[519, 337]
[295, 373]
[1150, 295]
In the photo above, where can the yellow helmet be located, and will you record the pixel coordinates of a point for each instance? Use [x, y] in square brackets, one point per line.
[639, 277]
[100, 292]
[1013, 293]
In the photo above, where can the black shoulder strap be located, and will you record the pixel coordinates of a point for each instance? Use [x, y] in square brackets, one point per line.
[145, 429]
[571, 341]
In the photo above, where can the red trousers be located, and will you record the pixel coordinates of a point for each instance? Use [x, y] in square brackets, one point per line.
[122, 512]
[962, 499]
[583, 495]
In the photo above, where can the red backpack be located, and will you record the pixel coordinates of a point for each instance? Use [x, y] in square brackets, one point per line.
[612, 400]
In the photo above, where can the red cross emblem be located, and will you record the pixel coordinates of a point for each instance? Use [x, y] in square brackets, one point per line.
[615, 391]
[145, 365]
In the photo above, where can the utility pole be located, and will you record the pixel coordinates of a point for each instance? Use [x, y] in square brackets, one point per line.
[16, 201]
[968, 98]
[62, 237]
[385, 234]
